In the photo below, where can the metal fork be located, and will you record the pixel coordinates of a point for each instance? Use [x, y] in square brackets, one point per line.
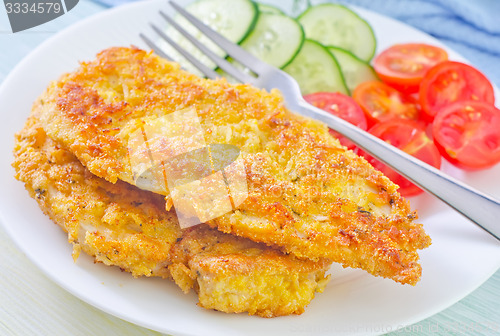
[479, 207]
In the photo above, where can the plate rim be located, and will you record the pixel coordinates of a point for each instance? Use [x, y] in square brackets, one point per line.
[111, 12]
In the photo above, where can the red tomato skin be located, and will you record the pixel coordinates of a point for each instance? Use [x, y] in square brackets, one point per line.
[473, 124]
[403, 66]
[380, 102]
[341, 106]
[449, 82]
[411, 137]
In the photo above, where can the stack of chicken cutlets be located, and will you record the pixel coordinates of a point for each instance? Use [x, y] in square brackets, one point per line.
[309, 202]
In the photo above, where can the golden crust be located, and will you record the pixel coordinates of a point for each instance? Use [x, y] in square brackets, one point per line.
[234, 272]
[307, 195]
[121, 225]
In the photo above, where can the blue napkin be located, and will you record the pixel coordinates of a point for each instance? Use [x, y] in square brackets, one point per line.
[470, 27]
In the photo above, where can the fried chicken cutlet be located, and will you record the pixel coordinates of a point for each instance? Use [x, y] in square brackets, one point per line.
[119, 224]
[307, 194]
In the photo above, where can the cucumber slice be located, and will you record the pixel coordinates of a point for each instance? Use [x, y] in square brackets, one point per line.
[316, 70]
[275, 39]
[337, 25]
[354, 70]
[233, 19]
[263, 8]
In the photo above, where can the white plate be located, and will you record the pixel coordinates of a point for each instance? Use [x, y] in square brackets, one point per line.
[460, 259]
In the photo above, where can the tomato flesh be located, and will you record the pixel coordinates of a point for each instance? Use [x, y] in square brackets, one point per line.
[449, 82]
[341, 106]
[467, 133]
[380, 102]
[411, 137]
[403, 66]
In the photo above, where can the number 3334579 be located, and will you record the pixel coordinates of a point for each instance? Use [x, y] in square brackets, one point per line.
[39, 7]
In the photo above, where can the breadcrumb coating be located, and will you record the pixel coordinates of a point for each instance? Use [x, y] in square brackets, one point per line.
[308, 195]
[121, 225]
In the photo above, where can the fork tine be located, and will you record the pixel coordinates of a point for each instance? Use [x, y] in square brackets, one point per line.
[235, 51]
[221, 62]
[155, 48]
[210, 73]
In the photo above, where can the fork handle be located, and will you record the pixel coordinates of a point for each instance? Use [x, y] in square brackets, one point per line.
[480, 208]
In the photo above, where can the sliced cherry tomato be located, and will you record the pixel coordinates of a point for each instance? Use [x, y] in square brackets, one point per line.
[403, 66]
[449, 82]
[341, 106]
[411, 137]
[468, 134]
[380, 102]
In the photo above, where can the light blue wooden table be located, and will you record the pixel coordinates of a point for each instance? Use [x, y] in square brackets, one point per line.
[31, 304]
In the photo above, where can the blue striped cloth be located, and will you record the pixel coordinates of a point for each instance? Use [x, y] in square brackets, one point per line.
[471, 27]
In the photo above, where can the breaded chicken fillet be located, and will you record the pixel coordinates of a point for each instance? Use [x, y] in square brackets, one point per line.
[121, 225]
[307, 194]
